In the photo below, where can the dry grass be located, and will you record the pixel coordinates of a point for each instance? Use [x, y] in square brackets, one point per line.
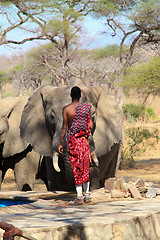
[148, 163]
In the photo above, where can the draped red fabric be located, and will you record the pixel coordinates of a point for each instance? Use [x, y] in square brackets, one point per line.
[78, 144]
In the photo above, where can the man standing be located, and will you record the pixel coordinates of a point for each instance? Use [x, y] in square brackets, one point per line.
[77, 123]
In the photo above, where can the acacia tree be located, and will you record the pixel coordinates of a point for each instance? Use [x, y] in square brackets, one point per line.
[138, 26]
[89, 67]
[144, 78]
[53, 20]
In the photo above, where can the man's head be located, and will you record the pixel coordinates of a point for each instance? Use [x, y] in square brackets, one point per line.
[75, 93]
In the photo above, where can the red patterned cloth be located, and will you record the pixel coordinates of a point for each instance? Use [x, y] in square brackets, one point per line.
[10, 231]
[78, 144]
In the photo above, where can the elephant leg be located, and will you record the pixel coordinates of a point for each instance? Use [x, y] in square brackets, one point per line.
[2, 175]
[108, 164]
[56, 180]
[42, 171]
[112, 169]
[94, 175]
[25, 171]
[3, 169]
[68, 170]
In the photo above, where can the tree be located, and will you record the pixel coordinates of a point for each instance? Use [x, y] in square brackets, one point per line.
[3, 78]
[144, 78]
[42, 65]
[138, 22]
[55, 20]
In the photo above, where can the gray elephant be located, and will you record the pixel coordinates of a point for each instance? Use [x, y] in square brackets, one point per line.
[15, 153]
[41, 125]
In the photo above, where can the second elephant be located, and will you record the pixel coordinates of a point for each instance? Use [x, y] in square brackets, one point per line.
[15, 153]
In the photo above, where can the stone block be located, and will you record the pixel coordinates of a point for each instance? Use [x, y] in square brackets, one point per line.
[148, 185]
[152, 193]
[134, 191]
[121, 185]
[117, 194]
[109, 184]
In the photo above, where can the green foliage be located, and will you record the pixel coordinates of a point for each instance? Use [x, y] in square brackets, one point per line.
[3, 78]
[144, 78]
[150, 113]
[110, 50]
[145, 14]
[137, 139]
[133, 112]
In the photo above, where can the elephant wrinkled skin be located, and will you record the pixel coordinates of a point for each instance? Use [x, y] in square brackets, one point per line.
[15, 153]
[41, 125]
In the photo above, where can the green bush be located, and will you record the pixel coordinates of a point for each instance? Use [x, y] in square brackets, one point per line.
[135, 112]
[150, 113]
[136, 141]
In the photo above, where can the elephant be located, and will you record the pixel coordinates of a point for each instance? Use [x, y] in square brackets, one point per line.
[15, 153]
[41, 125]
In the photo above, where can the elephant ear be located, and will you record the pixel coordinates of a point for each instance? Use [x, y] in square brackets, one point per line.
[12, 109]
[109, 121]
[7, 104]
[33, 126]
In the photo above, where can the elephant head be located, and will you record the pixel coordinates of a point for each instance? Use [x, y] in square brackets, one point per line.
[9, 121]
[42, 119]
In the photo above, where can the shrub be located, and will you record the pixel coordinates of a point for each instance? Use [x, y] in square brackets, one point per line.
[150, 113]
[136, 141]
[133, 112]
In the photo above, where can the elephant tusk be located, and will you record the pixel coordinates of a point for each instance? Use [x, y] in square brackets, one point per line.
[55, 161]
[95, 159]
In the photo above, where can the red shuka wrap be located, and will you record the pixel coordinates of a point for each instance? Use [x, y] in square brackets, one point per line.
[78, 144]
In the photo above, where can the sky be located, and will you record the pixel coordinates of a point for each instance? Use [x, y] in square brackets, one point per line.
[94, 36]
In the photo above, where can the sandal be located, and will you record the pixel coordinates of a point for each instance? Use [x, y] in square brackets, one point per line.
[77, 201]
[87, 199]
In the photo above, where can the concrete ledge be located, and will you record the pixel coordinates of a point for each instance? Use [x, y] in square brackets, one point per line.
[116, 220]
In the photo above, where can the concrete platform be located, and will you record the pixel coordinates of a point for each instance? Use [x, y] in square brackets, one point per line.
[50, 218]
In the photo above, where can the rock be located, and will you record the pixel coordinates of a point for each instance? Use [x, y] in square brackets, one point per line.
[142, 190]
[134, 191]
[117, 194]
[139, 183]
[109, 184]
[100, 193]
[152, 193]
[148, 184]
[121, 185]
[158, 191]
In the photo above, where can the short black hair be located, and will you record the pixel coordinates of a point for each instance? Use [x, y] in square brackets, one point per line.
[75, 92]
